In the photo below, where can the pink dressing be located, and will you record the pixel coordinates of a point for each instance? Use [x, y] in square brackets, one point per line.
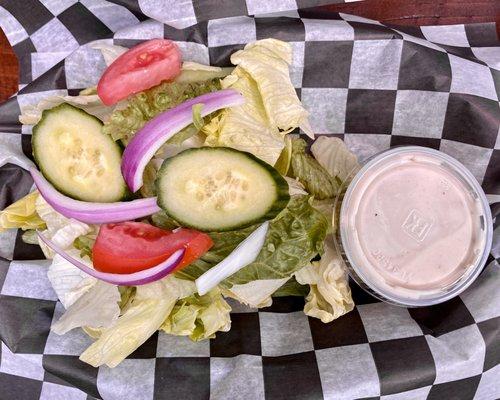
[413, 225]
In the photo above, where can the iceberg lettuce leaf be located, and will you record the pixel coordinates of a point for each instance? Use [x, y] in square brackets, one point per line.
[149, 308]
[98, 308]
[22, 214]
[330, 295]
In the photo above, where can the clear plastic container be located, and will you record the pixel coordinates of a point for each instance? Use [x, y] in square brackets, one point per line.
[394, 253]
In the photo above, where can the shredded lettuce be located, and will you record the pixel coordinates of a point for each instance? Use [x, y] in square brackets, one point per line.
[22, 214]
[330, 295]
[310, 173]
[140, 108]
[199, 317]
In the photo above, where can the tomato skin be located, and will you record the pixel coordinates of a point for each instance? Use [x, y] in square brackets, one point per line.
[140, 68]
[128, 247]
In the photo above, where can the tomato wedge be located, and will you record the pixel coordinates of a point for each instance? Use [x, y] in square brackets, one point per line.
[128, 247]
[138, 69]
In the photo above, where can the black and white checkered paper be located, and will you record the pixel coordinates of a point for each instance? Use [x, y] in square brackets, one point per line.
[372, 85]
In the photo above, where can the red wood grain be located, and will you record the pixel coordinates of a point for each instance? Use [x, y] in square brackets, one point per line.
[398, 12]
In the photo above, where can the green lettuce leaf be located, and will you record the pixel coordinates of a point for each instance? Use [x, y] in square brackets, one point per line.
[199, 317]
[84, 243]
[292, 288]
[197, 118]
[164, 221]
[140, 108]
[294, 237]
[194, 72]
[310, 173]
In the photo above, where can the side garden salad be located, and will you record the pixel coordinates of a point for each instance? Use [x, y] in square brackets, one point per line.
[173, 186]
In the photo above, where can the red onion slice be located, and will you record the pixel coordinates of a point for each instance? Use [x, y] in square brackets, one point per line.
[135, 279]
[156, 132]
[93, 213]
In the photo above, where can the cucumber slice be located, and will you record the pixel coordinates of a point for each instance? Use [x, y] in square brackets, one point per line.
[220, 189]
[76, 157]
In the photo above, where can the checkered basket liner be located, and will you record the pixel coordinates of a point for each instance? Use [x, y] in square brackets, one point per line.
[373, 85]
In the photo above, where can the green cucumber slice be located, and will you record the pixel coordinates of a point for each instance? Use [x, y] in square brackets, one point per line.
[76, 157]
[220, 189]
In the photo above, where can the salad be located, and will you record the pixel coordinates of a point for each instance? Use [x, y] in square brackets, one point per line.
[172, 187]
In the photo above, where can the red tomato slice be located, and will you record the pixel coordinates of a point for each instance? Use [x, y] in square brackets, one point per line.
[138, 69]
[128, 247]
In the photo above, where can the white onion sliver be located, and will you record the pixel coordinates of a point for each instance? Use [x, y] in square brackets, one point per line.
[245, 253]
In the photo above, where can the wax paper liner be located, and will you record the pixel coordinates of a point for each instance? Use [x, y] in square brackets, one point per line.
[375, 86]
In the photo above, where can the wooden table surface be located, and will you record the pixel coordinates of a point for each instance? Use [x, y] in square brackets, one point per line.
[399, 12]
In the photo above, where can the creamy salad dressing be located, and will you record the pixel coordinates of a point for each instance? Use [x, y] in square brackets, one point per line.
[413, 226]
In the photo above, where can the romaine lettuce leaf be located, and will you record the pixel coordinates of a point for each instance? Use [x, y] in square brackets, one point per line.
[330, 295]
[85, 243]
[97, 308]
[150, 306]
[333, 155]
[310, 173]
[22, 214]
[294, 237]
[292, 288]
[199, 317]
